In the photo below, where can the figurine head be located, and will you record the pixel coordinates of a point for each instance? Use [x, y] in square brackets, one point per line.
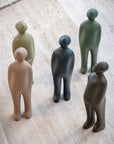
[64, 41]
[92, 14]
[101, 67]
[20, 54]
[21, 27]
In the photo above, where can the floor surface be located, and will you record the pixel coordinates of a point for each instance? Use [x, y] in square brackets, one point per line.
[52, 123]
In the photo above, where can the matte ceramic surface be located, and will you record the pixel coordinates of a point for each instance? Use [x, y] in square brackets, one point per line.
[25, 40]
[62, 64]
[94, 97]
[20, 83]
[89, 38]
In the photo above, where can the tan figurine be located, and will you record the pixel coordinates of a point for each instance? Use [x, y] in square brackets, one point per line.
[20, 78]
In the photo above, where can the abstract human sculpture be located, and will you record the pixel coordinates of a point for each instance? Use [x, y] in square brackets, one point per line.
[94, 97]
[25, 40]
[20, 78]
[62, 64]
[89, 38]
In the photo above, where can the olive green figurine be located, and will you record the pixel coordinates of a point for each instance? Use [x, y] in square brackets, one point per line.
[25, 40]
[89, 38]
[94, 97]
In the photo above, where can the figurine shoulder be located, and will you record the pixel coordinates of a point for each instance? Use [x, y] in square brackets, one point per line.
[70, 52]
[11, 66]
[83, 24]
[27, 65]
[28, 35]
[16, 38]
[92, 75]
[97, 24]
[56, 51]
[103, 79]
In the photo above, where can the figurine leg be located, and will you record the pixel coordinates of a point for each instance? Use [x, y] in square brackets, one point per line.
[27, 101]
[100, 124]
[84, 58]
[93, 58]
[67, 88]
[57, 89]
[16, 101]
[90, 116]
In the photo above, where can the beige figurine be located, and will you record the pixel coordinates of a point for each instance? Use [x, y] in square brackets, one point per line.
[20, 78]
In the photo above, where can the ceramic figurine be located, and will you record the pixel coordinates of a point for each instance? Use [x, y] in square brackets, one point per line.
[89, 38]
[94, 97]
[62, 64]
[25, 40]
[20, 78]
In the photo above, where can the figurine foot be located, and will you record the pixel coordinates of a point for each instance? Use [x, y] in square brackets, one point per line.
[88, 124]
[98, 128]
[16, 117]
[83, 71]
[67, 96]
[56, 98]
[91, 70]
[28, 114]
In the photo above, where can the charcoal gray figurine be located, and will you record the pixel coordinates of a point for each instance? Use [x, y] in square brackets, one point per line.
[62, 64]
[89, 38]
[94, 97]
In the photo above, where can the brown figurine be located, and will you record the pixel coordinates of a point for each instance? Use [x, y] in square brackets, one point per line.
[20, 78]
[94, 97]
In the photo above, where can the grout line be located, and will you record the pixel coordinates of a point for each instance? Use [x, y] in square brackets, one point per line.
[10, 4]
[67, 12]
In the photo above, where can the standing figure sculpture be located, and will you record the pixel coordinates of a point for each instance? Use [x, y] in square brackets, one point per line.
[94, 97]
[62, 64]
[24, 40]
[89, 38]
[20, 78]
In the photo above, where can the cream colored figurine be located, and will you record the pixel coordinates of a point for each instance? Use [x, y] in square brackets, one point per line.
[20, 78]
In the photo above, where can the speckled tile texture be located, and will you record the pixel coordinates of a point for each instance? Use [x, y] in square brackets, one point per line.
[54, 123]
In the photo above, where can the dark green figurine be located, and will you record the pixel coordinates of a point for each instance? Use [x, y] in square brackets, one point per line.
[89, 38]
[25, 40]
[94, 97]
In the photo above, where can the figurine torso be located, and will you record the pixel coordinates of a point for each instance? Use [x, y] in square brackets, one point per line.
[20, 78]
[62, 62]
[96, 88]
[90, 34]
[26, 41]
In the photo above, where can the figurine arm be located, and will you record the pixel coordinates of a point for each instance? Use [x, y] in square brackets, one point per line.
[101, 94]
[9, 74]
[53, 62]
[99, 34]
[31, 51]
[13, 46]
[53, 58]
[30, 75]
[33, 48]
[80, 32]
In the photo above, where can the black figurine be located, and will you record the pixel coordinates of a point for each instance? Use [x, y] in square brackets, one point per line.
[94, 97]
[62, 64]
